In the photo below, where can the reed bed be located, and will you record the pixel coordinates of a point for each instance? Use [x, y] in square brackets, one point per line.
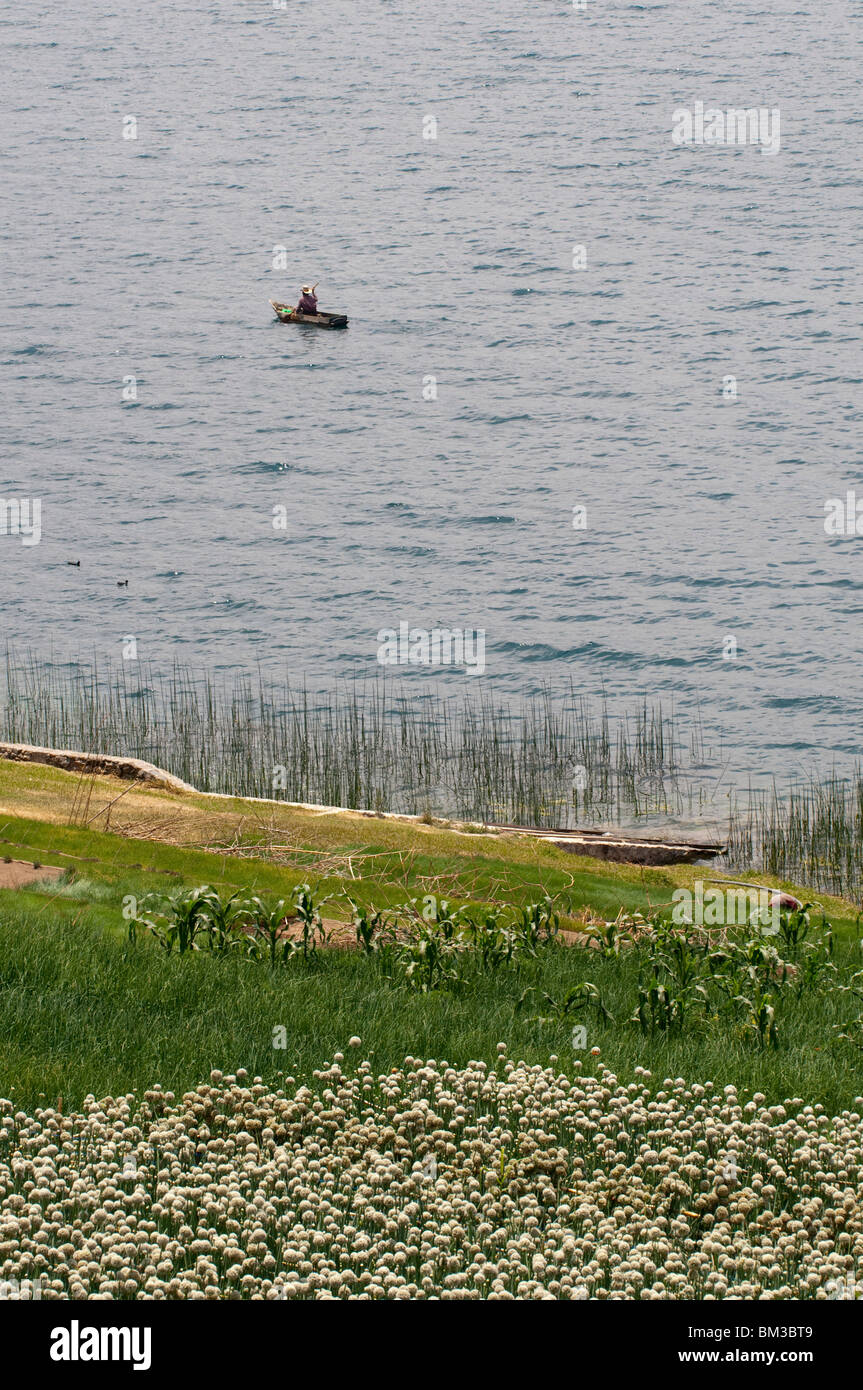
[810, 833]
[550, 762]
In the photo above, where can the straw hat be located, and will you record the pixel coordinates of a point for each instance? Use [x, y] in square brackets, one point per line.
[307, 289]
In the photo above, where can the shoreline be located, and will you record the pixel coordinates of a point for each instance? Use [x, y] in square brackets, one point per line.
[609, 844]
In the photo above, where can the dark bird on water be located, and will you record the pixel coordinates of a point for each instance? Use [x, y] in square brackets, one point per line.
[74, 562]
[122, 583]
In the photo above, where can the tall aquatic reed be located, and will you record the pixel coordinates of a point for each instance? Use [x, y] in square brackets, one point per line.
[811, 832]
[549, 762]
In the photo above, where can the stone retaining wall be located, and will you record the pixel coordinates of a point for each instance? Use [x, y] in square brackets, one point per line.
[129, 769]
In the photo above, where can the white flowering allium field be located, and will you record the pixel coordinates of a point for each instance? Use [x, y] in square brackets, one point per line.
[499, 1182]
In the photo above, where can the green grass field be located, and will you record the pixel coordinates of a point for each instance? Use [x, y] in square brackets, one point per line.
[81, 1010]
[80, 1013]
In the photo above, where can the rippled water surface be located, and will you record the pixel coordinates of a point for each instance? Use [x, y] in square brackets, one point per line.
[302, 128]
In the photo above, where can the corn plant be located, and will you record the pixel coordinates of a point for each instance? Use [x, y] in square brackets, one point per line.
[269, 938]
[182, 919]
[535, 925]
[663, 1008]
[429, 961]
[609, 937]
[794, 928]
[492, 941]
[579, 999]
[760, 1018]
[744, 965]
[312, 931]
[683, 960]
[438, 914]
[671, 977]
[371, 928]
[223, 917]
[815, 968]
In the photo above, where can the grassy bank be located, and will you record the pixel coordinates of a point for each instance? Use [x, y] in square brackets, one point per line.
[81, 1010]
[153, 836]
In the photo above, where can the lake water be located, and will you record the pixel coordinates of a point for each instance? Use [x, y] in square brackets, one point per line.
[597, 385]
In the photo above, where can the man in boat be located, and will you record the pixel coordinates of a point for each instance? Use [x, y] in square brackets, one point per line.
[308, 300]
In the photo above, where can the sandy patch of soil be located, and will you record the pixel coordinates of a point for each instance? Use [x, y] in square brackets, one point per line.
[20, 873]
[339, 934]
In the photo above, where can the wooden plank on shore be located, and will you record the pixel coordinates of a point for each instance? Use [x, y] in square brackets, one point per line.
[626, 849]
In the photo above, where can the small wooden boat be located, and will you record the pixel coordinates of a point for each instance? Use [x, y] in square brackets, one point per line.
[286, 313]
